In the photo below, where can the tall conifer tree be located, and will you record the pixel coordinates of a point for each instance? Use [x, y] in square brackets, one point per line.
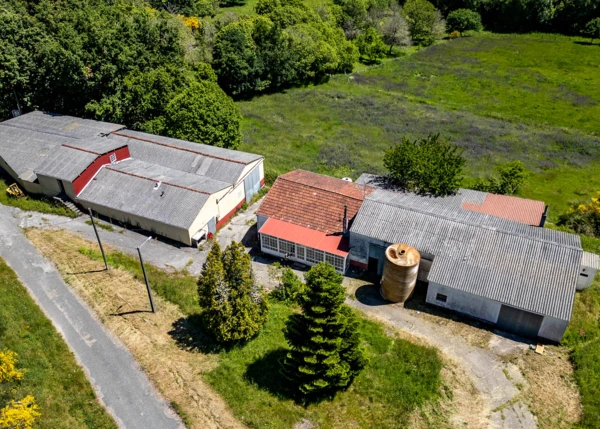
[325, 353]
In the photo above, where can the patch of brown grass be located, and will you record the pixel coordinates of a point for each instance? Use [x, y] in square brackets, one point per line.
[118, 300]
[550, 392]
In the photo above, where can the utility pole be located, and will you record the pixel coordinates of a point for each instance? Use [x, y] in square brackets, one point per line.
[139, 249]
[98, 238]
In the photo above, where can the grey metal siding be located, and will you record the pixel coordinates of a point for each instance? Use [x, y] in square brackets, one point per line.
[519, 321]
[252, 183]
[464, 302]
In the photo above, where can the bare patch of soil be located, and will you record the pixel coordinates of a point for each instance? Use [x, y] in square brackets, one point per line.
[121, 302]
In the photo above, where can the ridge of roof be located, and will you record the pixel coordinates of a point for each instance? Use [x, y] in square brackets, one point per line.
[328, 178]
[157, 181]
[477, 225]
[117, 133]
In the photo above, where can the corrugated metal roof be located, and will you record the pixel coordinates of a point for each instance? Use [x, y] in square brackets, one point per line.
[508, 207]
[23, 150]
[527, 267]
[171, 176]
[97, 145]
[170, 205]
[591, 260]
[68, 126]
[65, 163]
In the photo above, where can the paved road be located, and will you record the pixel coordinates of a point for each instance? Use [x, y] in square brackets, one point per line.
[120, 384]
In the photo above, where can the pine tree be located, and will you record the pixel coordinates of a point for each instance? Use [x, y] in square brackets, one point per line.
[235, 306]
[325, 353]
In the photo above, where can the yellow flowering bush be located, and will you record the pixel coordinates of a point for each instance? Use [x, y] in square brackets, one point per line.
[583, 218]
[190, 22]
[8, 372]
[19, 414]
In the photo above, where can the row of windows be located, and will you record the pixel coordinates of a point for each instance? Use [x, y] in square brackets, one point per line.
[303, 253]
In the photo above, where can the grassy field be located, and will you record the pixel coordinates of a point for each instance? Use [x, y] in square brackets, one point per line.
[501, 97]
[401, 377]
[52, 376]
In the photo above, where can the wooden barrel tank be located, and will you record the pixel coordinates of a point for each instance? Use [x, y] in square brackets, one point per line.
[400, 272]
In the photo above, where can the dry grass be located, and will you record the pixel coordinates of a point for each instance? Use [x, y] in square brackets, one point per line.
[118, 298]
[550, 392]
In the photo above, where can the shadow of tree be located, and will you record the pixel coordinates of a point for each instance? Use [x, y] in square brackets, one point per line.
[190, 335]
[266, 374]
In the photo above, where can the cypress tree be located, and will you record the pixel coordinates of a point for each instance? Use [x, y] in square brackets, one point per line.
[325, 353]
[235, 306]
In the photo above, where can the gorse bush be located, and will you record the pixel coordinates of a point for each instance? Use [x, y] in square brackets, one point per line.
[583, 218]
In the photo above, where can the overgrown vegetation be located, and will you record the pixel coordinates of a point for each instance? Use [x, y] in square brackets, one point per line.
[51, 373]
[512, 176]
[583, 218]
[430, 165]
[290, 288]
[30, 202]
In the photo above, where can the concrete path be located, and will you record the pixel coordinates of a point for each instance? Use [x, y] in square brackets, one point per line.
[163, 254]
[484, 366]
[115, 375]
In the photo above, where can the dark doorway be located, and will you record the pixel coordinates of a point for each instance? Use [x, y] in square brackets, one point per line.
[62, 187]
[373, 264]
[519, 321]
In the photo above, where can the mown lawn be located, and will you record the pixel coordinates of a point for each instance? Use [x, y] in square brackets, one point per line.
[400, 377]
[62, 392]
[501, 97]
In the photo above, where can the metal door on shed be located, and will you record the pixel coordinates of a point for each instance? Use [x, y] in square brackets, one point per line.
[252, 183]
[519, 321]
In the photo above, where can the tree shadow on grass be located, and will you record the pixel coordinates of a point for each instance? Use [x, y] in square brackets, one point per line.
[190, 335]
[266, 374]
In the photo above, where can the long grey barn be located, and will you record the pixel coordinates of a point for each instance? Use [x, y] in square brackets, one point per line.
[521, 277]
[173, 188]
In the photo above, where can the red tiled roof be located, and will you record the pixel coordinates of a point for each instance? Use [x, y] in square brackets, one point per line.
[518, 209]
[335, 244]
[313, 201]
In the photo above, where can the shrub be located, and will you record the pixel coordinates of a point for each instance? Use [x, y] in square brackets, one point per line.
[454, 35]
[583, 218]
[512, 177]
[592, 29]
[325, 353]
[289, 286]
[425, 21]
[462, 20]
[235, 306]
[427, 166]
[370, 45]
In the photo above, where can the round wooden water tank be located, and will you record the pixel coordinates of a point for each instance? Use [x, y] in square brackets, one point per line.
[400, 272]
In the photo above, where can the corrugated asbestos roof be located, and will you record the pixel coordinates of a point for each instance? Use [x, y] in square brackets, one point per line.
[170, 205]
[23, 150]
[313, 201]
[65, 163]
[513, 208]
[159, 173]
[217, 163]
[68, 126]
[527, 267]
[591, 260]
[97, 145]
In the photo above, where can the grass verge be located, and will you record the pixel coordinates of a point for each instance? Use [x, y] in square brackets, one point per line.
[30, 202]
[63, 393]
[401, 379]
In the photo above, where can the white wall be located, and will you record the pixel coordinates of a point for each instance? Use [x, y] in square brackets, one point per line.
[230, 199]
[464, 302]
[207, 213]
[585, 281]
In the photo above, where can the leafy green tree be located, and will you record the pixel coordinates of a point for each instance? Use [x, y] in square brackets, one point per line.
[370, 45]
[426, 166]
[325, 354]
[424, 20]
[512, 176]
[205, 114]
[235, 306]
[462, 20]
[395, 30]
[289, 286]
[592, 29]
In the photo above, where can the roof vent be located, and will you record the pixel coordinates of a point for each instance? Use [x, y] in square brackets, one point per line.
[347, 179]
[157, 185]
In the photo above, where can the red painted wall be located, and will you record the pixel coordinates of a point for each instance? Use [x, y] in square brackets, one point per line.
[229, 215]
[87, 174]
[359, 265]
[262, 182]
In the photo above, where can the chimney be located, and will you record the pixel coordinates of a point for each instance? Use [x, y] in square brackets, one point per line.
[345, 220]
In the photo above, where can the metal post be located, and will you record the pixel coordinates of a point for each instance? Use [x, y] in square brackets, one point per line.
[139, 249]
[98, 237]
